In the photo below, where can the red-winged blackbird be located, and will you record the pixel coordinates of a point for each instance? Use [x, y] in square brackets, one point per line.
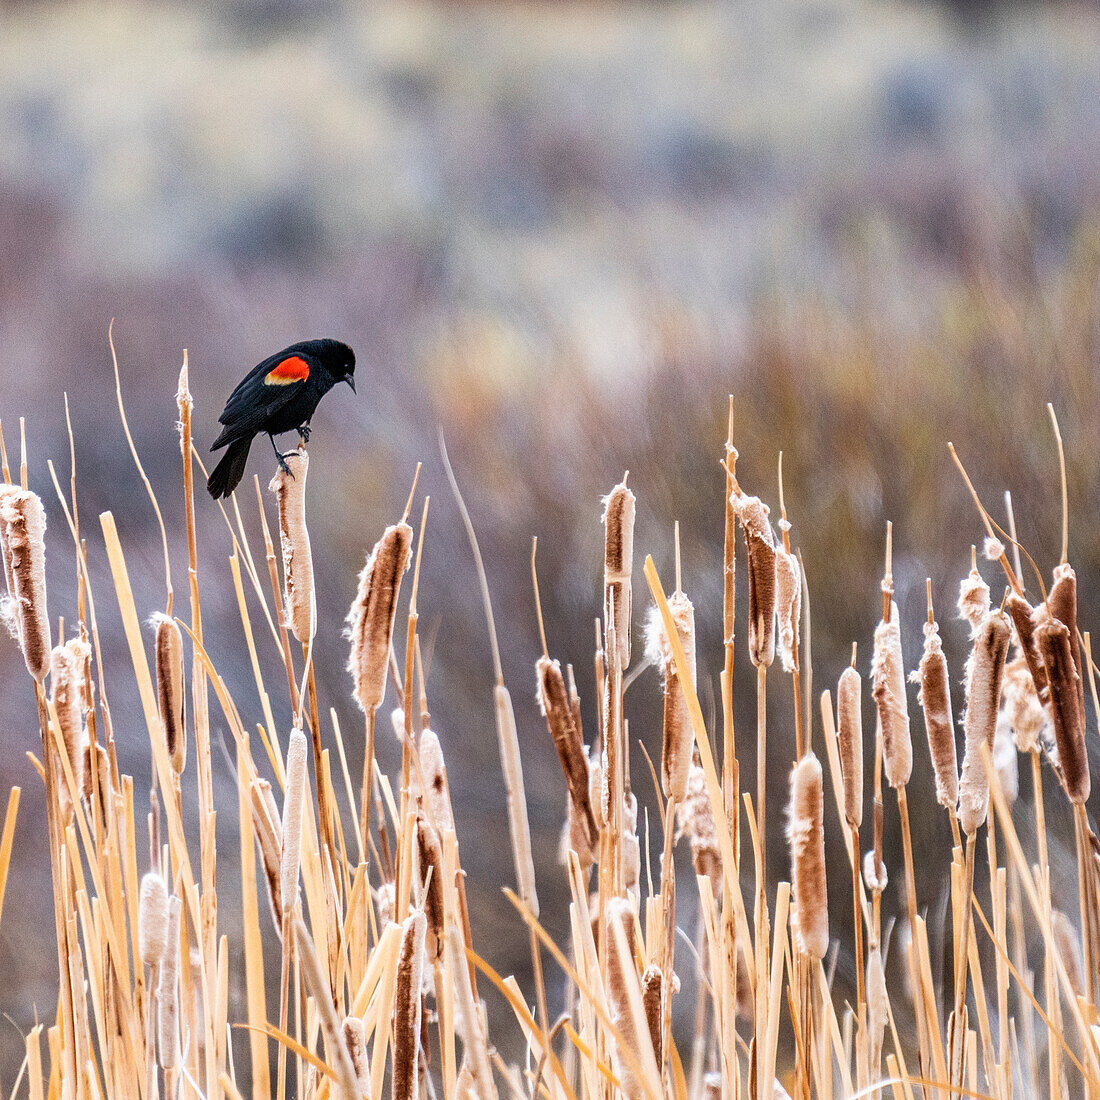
[280, 395]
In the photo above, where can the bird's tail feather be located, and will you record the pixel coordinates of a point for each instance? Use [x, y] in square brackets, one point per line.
[227, 475]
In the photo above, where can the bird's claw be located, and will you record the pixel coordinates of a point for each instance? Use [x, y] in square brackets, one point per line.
[283, 464]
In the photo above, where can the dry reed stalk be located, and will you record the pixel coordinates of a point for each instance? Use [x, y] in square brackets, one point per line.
[290, 494]
[806, 837]
[268, 828]
[984, 670]
[695, 819]
[877, 1009]
[934, 698]
[1066, 941]
[888, 678]
[519, 829]
[170, 694]
[618, 563]
[760, 542]
[168, 994]
[850, 736]
[1056, 649]
[678, 737]
[788, 587]
[293, 803]
[314, 980]
[557, 709]
[67, 664]
[405, 1082]
[23, 521]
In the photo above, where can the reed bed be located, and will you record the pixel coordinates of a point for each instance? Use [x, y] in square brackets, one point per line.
[382, 984]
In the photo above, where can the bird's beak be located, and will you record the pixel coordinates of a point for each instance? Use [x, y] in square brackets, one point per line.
[351, 382]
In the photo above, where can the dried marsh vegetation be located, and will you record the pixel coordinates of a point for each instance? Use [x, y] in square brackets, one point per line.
[382, 986]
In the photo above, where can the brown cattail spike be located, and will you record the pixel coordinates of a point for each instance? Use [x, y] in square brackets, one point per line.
[1024, 619]
[554, 702]
[984, 671]
[888, 688]
[788, 577]
[1063, 606]
[67, 663]
[806, 837]
[290, 493]
[371, 618]
[653, 983]
[695, 819]
[23, 521]
[430, 858]
[850, 734]
[406, 1011]
[618, 521]
[760, 541]
[678, 735]
[935, 701]
[1054, 645]
[170, 692]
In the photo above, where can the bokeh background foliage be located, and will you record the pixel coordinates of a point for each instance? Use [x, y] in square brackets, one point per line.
[562, 233]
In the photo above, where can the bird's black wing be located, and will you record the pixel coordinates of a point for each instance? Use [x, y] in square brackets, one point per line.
[263, 392]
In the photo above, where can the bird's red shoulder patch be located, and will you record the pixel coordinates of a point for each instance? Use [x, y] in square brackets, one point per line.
[294, 369]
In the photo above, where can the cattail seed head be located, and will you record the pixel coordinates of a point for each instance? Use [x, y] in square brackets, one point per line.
[1063, 606]
[430, 858]
[653, 986]
[888, 688]
[806, 837]
[935, 701]
[290, 493]
[620, 970]
[292, 820]
[695, 819]
[1053, 640]
[760, 541]
[23, 521]
[554, 702]
[1026, 714]
[168, 994]
[67, 663]
[874, 878]
[371, 618]
[152, 919]
[984, 670]
[678, 734]
[630, 850]
[406, 1010]
[170, 693]
[850, 735]
[1025, 618]
[618, 562]
[97, 763]
[355, 1039]
[437, 796]
[788, 582]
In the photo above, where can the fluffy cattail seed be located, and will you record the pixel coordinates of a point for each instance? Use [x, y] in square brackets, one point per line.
[874, 878]
[406, 1009]
[760, 540]
[1026, 714]
[850, 736]
[806, 837]
[888, 688]
[23, 520]
[170, 693]
[168, 994]
[935, 701]
[678, 735]
[152, 919]
[695, 818]
[67, 664]
[437, 796]
[355, 1039]
[973, 602]
[370, 620]
[290, 493]
[1054, 645]
[630, 851]
[292, 820]
[788, 581]
[984, 670]
[555, 705]
[1004, 757]
[618, 562]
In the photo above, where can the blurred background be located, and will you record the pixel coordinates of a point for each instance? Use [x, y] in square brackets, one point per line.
[563, 233]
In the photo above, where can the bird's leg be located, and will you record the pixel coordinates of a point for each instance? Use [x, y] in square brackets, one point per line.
[280, 457]
[303, 431]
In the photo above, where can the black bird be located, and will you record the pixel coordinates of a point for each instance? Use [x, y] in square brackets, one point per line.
[279, 395]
